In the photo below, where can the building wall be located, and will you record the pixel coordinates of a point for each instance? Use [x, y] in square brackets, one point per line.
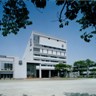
[16, 70]
[50, 50]
[52, 42]
[6, 67]
[7, 60]
[42, 50]
[28, 54]
[19, 68]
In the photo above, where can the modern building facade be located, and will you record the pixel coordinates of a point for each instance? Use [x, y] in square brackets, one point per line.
[41, 54]
[11, 67]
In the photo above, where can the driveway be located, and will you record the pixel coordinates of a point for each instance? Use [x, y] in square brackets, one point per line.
[47, 87]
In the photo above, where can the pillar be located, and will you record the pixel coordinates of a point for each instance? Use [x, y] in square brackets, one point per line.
[49, 73]
[40, 71]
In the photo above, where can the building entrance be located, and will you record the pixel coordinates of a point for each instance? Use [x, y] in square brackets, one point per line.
[44, 73]
[47, 73]
[31, 70]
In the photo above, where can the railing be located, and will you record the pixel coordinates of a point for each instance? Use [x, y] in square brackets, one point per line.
[48, 55]
[49, 47]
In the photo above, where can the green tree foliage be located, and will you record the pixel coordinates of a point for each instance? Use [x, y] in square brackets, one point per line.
[16, 15]
[63, 68]
[70, 11]
[79, 66]
[78, 94]
[60, 66]
[83, 65]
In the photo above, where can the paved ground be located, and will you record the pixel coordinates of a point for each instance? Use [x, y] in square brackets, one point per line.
[46, 87]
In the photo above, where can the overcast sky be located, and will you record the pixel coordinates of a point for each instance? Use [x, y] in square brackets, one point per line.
[45, 22]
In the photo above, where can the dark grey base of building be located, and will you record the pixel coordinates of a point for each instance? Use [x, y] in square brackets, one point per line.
[38, 73]
[6, 74]
[45, 74]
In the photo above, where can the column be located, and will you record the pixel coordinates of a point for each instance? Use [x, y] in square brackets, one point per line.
[40, 71]
[49, 73]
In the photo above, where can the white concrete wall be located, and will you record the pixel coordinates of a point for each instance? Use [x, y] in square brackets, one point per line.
[28, 55]
[52, 42]
[46, 67]
[6, 60]
[9, 59]
[19, 70]
[58, 53]
[54, 52]
[44, 51]
[50, 52]
[62, 53]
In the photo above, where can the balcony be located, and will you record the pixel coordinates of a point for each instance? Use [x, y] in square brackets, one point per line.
[49, 48]
[46, 67]
[48, 58]
[48, 55]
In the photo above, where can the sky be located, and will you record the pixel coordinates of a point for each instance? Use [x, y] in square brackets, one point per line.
[45, 21]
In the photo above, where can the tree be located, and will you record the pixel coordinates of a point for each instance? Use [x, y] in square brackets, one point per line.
[62, 68]
[79, 66]
[83, 65]
[16, 15]
[88, 63]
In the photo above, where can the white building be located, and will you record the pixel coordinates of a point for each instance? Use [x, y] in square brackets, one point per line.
[41, 54]
[11, 67]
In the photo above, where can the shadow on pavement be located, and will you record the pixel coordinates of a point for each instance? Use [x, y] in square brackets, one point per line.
[78, 94]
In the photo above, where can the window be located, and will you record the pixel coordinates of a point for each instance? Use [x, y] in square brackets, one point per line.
[47, 60]
[62, 46]
[43, 65]
[36, 39]
[30, 42]
[47, 51]
[37, 49]
[20, 62]
[53, 56]
[42, 60]
[52, 51]
[37, 59]
[62, 57]
[64, 54]
[8, 66]
[44, 55]
[30, 49]
[60, 53]
[56, 52]
[36, 55]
